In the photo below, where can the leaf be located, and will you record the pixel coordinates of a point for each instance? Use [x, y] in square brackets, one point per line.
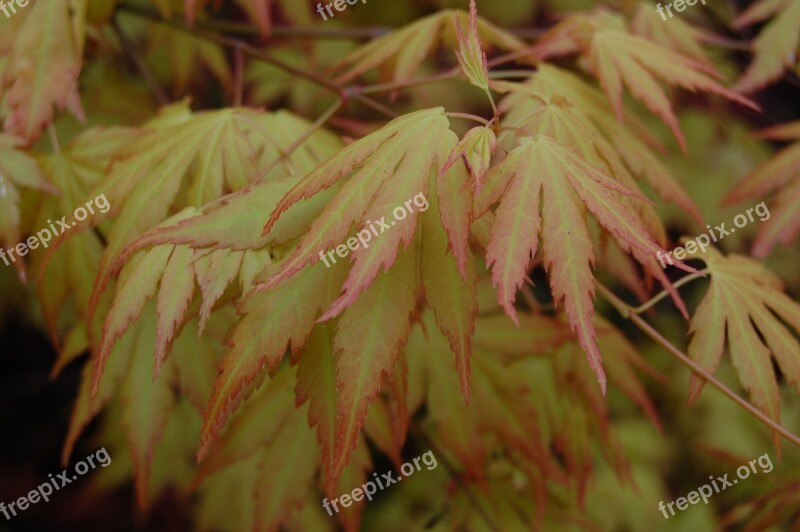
[781, 173]
[539, 167]
[147, 403]
[316, 383]
[401, 52]
[616, 57]
[629, 143]
[190, 59]
[746, 299]
[777, 44]
[285, 473]
[677, 35]
[380, 183]
[469, 53]
[477, 147]
[17, 168]
[450, 294]
[42, 73]
[370, 336]
[210, 150]
[273, 321]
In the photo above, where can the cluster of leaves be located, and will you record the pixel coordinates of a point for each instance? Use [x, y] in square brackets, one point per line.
[216, 332]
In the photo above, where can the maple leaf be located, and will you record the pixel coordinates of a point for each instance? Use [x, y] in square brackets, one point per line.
[746, 299]
[618, 58]
[17, 168]
[780, 172]
[187, 54]
[211, 150]
[400, 53]
[69, 269]
[257, 343]
[629, 143]
[380, 184]
[678, 35]
[565, 183]
[42, 73]
[777, 44]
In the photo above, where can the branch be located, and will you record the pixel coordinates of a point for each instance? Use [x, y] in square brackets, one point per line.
[256, 53]
[625, 310]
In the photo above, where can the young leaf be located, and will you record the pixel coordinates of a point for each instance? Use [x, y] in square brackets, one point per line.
[469, 53]
[477, 148]
[404, 49]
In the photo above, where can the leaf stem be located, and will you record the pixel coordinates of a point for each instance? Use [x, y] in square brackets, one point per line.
[503, 74]
[318, 123]
[51, 130]
[625, 310]
[470, 117]
[685, 280]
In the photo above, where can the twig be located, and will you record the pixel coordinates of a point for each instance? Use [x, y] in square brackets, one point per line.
[455, 475]
[238, 77]
[625, 310]
[470, 117]
[386, 87]
[256, 53]
[133, 54]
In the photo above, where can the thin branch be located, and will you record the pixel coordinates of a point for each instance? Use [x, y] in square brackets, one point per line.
[135, 57]
[238, 77]
[387, 87]
[625, 310]
[256, 53]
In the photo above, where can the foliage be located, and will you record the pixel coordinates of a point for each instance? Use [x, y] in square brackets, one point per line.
[217, 331]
